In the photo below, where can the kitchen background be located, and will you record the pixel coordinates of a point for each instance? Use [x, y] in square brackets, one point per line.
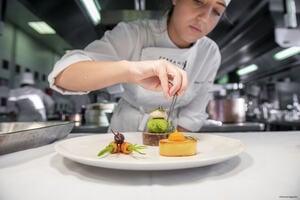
[257, 86]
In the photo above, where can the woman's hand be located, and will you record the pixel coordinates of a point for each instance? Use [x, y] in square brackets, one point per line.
[160, 75]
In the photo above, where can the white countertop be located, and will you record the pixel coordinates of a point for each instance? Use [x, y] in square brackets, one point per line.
[269, 169]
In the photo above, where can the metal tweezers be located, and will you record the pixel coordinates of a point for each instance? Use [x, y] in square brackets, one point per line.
[174, 99]
[172, 106]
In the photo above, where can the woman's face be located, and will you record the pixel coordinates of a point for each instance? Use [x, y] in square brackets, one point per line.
[193, 19]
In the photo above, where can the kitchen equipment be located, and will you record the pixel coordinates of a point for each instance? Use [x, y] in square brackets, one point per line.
[285, 14]
[16, 136]
[174, 98]
[233, 127]
[99, 114]
[227, 110]
[286, 92]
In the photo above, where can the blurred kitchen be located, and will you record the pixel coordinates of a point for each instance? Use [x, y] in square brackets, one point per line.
[257, 87]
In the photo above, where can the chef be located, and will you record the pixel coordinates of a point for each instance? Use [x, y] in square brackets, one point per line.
[29, 103]
[177, 39]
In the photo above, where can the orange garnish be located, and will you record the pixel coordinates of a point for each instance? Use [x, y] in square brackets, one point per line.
[176, 136]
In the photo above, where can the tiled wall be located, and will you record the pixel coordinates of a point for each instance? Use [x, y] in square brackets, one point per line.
[18, 48]
[22, 53]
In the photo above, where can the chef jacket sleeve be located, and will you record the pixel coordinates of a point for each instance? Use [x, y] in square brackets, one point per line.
[49, 104]
[115, 45]
[11, 103]
[193, 115]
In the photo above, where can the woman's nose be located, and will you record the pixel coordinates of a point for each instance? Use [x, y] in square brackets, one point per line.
[206, 13]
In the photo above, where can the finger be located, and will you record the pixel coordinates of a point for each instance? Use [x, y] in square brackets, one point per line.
[163, 77]
[184, 83]
[177, 82]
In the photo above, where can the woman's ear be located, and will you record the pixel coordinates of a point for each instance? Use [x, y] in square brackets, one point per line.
[174, 2]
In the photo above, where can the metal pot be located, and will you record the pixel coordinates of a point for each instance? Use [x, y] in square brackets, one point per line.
[227, 110]
[99, 114]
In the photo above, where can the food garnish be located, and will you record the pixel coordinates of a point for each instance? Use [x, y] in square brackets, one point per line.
[120, 146]
[176, 136]
[158, 122]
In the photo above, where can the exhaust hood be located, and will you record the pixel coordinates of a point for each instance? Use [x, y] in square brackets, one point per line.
[286, 15]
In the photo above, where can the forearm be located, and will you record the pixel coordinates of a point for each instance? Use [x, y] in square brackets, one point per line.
[93, 75]
[154, 75]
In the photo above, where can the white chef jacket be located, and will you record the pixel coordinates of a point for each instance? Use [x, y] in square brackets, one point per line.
[30, 104]
[146, 40]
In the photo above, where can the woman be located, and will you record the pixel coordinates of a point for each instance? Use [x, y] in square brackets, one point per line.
[177, 38]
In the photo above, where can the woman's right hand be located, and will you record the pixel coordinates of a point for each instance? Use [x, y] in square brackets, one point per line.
[160, 75]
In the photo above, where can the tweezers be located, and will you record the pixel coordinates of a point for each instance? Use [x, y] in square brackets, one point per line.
[174, 99]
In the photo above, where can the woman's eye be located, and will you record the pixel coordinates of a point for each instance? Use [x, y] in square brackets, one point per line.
[202, 3]
[217, 13]
[199, 2]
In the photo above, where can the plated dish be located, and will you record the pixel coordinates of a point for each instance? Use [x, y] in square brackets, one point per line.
[211, 149]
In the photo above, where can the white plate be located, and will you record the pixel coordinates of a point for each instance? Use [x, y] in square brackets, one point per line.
[211, 149]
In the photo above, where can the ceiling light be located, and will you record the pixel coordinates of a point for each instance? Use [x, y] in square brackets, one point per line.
[41, 27]
[247, 70]
[286, 53]
[92, 8]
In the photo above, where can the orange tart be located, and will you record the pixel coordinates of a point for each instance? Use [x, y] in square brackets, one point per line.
[177, 145]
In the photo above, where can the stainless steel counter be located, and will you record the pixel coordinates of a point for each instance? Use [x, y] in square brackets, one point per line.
[234, 127]
[89, 129]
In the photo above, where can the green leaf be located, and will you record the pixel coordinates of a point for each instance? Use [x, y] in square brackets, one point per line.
[136, 148]
[107, 149]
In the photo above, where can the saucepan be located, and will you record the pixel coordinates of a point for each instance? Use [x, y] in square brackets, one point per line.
[99, 114]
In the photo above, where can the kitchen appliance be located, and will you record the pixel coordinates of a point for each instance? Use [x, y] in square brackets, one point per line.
[227, 110]
[286, 17]
[99, 114]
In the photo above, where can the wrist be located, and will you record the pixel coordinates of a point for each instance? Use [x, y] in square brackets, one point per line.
[132, 73]
[124, 71]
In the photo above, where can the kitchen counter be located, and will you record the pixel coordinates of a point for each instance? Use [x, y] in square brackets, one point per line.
[267, 170]
[89, 129]
[283, 125]
[234, 127]
[229, 127]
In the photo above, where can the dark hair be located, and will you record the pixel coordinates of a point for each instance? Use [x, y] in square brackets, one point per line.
[170, 12]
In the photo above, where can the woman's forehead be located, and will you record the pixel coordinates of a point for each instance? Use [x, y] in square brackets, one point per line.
[221, 2]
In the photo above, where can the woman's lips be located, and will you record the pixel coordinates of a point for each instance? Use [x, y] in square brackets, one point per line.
[196, 29]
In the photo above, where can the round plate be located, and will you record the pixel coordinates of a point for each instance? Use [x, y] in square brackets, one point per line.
[211, 149]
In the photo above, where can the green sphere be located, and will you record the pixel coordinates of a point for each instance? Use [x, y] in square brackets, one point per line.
[157, 125]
